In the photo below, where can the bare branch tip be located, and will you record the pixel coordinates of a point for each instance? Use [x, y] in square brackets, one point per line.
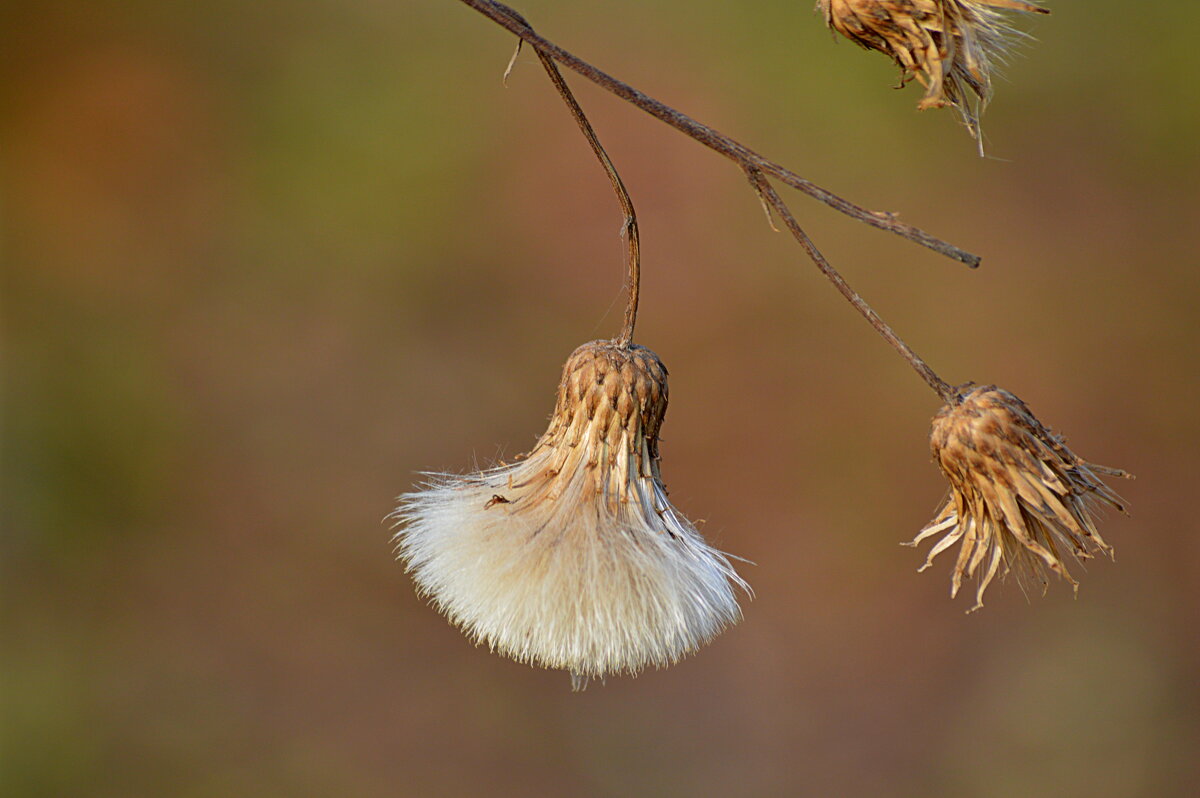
[512, 62]
[766, 206]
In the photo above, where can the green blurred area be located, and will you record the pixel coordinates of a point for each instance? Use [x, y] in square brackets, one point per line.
[263, 263]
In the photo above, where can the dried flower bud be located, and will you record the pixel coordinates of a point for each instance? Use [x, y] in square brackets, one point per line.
[1018, 496]
[947, 45]
[573, 557]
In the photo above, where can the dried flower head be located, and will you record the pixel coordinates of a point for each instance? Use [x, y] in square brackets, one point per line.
[573, 557]
[947, 45]
[1018, 496]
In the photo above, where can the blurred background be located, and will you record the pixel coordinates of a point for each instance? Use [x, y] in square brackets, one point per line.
[264, 263]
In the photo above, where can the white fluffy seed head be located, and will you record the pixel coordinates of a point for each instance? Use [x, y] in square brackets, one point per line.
[573, 557]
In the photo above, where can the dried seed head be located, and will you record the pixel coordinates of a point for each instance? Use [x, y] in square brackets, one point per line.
[573, 557]
[1018, 496]
[949, 46]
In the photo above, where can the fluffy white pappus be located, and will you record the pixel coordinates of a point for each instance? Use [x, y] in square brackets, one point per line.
[574, 558]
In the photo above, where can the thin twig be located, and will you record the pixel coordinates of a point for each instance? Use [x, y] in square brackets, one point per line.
[771, 199]
[746, 158]
[630, 228]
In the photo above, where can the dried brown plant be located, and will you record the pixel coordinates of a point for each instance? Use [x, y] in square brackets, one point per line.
[574, 558]
[1020, 500]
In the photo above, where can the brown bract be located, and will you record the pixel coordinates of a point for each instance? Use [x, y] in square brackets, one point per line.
[949, 46]
[610, 406]
[1020, 500]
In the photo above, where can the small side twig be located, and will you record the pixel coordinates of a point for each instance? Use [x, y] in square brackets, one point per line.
[735, 151]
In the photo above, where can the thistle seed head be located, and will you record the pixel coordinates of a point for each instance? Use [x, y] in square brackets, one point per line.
[949, 46]
[573, 557]
[1019, 498]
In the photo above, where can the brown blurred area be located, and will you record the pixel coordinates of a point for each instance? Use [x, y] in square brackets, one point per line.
[265, 262]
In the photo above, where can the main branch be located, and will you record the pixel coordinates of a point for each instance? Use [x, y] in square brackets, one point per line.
[746, 158]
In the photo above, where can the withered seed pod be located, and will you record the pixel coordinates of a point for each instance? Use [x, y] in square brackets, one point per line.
[949, 46]
[1020, 500]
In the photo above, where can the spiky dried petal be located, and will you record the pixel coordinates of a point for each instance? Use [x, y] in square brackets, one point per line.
[1018, 496]
[949, 46]
[573, 557]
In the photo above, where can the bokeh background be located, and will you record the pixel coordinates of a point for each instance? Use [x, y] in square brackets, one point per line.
[265, 262]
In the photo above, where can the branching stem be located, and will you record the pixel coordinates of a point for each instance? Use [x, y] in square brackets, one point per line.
[735, 151]
[756, 168]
